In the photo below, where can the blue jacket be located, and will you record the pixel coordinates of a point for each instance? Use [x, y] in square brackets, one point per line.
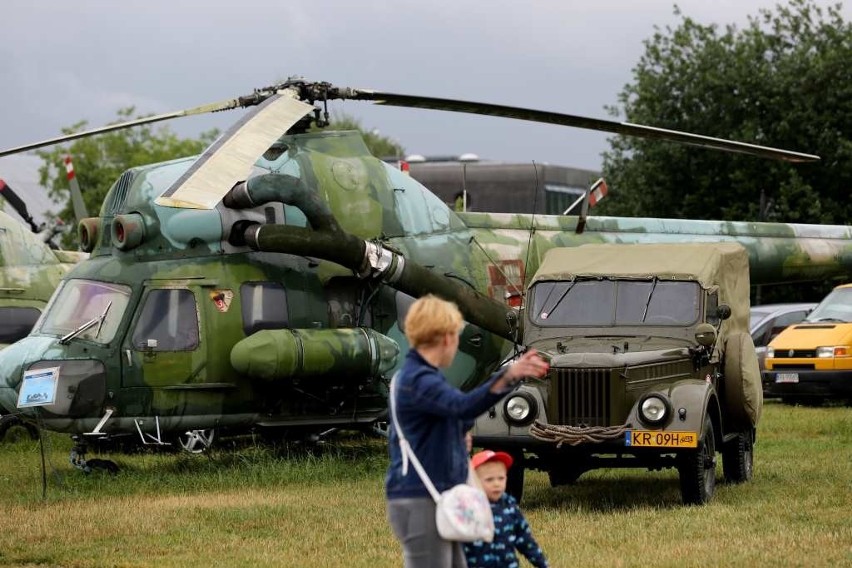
[434, 416]
[511, 532]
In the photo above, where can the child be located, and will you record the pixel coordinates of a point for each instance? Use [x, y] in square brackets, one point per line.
[511, 529]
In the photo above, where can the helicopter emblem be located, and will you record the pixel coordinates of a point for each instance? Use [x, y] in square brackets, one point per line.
[222, 299]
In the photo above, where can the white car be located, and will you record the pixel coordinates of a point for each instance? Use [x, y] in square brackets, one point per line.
[769, 320]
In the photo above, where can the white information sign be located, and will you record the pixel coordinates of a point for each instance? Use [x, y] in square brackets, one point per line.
[38, 387]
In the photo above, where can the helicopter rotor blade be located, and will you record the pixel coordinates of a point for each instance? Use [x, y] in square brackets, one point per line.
[311, 92]
[625, 128]
[228, 104]
[229, 160]
[18, 205]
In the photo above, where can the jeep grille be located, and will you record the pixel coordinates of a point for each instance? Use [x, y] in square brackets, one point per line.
[583, 397]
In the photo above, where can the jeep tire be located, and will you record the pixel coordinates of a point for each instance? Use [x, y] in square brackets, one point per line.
[743, 390]
[697, 468]
[515, 476]
[564, 475]
[738, 458]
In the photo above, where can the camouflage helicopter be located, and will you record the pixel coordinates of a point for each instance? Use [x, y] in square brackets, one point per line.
[263, 285]
[31, 267]
[30, 270]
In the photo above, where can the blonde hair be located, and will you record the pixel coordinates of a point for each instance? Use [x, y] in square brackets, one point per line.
[429, 319]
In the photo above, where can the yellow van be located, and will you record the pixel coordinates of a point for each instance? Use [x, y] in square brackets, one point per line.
[812, 361]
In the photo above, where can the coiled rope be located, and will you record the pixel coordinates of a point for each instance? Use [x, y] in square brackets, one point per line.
[576, 435]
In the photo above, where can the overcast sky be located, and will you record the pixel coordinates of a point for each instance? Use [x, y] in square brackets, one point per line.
[63, 61]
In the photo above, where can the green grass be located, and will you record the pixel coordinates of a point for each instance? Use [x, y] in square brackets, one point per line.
[264, 507]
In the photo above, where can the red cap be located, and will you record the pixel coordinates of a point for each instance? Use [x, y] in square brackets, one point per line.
[484, 456]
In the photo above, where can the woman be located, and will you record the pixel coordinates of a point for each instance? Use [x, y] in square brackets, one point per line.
[434, 416]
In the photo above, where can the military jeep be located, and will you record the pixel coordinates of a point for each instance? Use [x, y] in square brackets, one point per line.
[652, 366]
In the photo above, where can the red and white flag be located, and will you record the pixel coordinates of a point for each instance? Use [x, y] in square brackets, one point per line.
[69, 168]
[77, 203]
[597, 192]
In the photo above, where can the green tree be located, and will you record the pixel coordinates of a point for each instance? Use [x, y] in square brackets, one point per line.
[784, 80]
[100, 160]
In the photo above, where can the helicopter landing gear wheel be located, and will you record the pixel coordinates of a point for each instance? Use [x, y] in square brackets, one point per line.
[564, 476]
[79, 461]
[13, 430]
[196, 441]
[738, 458]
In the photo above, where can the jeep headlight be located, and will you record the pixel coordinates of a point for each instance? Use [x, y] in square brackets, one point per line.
[770, 353]
[520, 409]
[653, 409]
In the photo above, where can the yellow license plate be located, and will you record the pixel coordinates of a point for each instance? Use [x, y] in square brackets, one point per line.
[652, 439]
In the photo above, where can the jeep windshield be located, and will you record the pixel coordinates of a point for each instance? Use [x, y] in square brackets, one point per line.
[607, 302]
[85, 309]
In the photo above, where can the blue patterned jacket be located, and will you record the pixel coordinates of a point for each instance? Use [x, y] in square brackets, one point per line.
[511, 532]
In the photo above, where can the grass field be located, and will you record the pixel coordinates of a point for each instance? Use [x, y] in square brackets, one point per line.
[259, 507]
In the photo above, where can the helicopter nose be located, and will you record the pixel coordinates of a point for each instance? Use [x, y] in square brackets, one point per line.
[7, 400]
[8, 386]
[13, 360]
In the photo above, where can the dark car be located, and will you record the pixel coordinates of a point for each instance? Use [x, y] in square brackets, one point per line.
[768, 320]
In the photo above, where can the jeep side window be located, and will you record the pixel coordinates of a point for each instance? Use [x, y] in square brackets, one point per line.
[710, 315]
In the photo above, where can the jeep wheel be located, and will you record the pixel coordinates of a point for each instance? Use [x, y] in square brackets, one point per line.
[515, 477]
[564, 476]
[698, 469]
[738, 458]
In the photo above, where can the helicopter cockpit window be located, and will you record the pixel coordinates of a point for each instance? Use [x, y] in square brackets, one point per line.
[16, 323]
[169, 322]
[609, 302]
[419, 210]
[264, 306]
[78, 302]
[403, 304]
